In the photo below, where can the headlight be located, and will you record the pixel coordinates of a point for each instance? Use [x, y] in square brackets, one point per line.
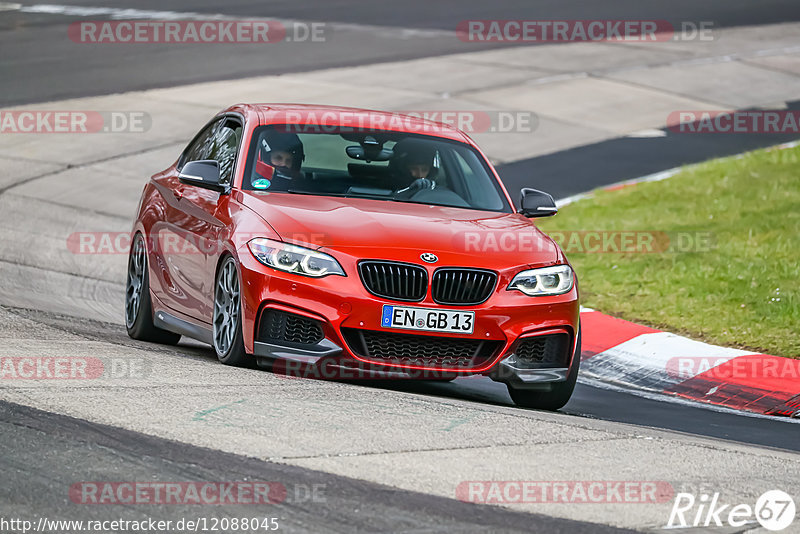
[294, 259]
[545, 281]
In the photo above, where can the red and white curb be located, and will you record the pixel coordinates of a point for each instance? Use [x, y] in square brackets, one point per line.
[621, 355]
[633, 357]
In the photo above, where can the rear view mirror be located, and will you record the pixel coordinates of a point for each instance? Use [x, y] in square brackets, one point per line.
[535, 203]
[368, 153]
[369, 149]
[203, 173]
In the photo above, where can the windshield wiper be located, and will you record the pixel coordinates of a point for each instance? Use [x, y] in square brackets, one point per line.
[343, 195]
[315, 193]
[376, 197]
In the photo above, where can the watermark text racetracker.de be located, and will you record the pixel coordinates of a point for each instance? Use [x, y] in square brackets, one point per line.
[753, 367]
[175, 242]
[208, 493]
[564, 492]
[179, 242]
[73, 122]
[73, 368]
[196, 31]
[757, 121]
[588, 241]
[598, 30]
[149, 524]
[415, 121]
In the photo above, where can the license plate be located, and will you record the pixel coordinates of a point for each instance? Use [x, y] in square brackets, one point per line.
[461, 322]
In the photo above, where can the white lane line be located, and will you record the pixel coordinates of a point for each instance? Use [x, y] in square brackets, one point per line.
[114, 13]
[647, 133]
[146, 14]
[662, 175]
[655, 177]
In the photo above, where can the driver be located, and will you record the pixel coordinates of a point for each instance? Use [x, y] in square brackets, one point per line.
[280, 156]
[414, 165]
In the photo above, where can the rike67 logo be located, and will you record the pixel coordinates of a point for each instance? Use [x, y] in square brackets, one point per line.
[774, 510]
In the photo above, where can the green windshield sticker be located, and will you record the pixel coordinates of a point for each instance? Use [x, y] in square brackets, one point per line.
[261, 183]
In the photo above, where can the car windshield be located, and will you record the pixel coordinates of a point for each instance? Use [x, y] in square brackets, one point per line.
[375, 164]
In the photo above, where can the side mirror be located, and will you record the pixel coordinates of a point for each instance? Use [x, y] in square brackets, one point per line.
[535, 203]
[203, 173]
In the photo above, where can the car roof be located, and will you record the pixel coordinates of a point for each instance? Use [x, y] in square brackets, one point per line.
[331, 116]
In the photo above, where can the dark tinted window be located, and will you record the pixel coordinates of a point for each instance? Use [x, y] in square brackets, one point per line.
[225, 146]
[375, 164]
[219, 141]
[200, 148]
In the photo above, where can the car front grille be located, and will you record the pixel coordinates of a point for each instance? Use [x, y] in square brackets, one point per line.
[462, 287]
[281, 327]
[395, 281]
[408, 282]
[548, 350]
[389, 348]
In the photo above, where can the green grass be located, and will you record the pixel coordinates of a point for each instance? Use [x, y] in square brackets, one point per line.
[727, 295]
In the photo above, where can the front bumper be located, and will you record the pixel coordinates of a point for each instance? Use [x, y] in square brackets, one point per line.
[339, 303]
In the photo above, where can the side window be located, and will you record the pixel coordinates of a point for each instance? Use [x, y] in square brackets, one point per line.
[201, 147]
[225, 140]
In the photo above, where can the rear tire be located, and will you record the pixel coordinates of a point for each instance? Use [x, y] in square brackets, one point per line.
[227, 320]
[559, 393]
[138, 303]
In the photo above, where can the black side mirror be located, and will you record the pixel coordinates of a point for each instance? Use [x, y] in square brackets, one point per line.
[203, 173]
[535, 203]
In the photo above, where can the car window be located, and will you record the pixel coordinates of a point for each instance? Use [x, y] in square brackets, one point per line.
[374, 164]
[325, 152]
[219, 141]
[224, 147]
[200, 148]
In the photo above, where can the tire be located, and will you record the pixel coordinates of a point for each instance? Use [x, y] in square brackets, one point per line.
[228, 340]
[559, 393]
[138, 303]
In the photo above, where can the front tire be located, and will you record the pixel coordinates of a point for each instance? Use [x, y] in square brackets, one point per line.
[227, 320]
[559, 393]
[138, 305]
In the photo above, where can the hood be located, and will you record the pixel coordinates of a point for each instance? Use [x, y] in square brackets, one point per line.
[401, 231]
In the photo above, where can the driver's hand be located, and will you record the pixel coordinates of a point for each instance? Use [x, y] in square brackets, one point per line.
[422, 183]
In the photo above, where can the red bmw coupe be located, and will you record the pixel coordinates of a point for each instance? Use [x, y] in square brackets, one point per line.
[370, 243]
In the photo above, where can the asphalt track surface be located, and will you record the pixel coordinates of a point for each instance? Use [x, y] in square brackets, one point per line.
[587, 167]
[35, 445]
[38, 64]
[39, 450]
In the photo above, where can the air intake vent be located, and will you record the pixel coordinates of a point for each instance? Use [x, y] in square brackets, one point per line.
[280, 327]
[549, 350]
[395, 281]
[462, 287]
[388, 348]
